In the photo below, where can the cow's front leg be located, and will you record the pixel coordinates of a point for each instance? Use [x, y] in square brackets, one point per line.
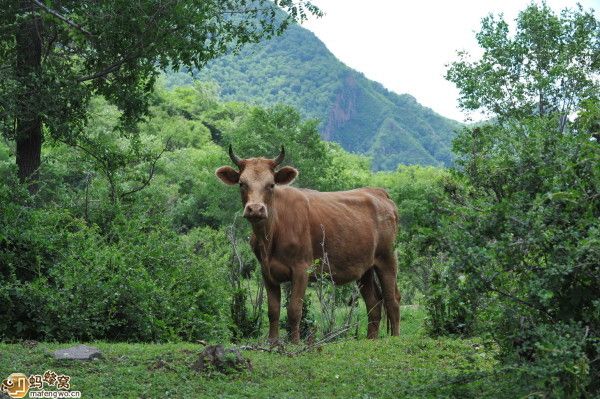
[274, 303]
[299, 283]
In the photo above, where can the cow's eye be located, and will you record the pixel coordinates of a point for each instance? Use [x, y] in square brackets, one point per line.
[271, 186]
[243, 185]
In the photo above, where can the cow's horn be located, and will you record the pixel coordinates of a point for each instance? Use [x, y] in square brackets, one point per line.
[234, 158]
[280, 157]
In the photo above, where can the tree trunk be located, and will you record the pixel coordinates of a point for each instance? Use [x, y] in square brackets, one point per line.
[29, 125]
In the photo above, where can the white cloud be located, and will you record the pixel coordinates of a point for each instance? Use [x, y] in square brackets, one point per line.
[405, 45]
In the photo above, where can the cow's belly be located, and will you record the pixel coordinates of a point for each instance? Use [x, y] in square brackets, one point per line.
[348, 268]
[339, 277]
[347, 256]
[341, 266]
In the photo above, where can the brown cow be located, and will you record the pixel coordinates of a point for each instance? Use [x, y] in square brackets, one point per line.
[291, 227]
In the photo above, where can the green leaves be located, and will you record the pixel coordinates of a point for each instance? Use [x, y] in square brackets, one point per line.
[117, 49]
[546, 67]
[523, 228]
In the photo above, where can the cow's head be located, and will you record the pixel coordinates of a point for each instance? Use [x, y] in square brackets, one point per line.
[258, 180]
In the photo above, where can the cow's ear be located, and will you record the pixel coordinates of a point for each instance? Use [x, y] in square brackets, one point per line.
[228, 175]
[285, 175]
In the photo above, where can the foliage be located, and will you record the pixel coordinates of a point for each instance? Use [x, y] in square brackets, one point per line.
[525, 250]
[348, 170]
[545, 68]
[63, 280]
[248, 294]
[524, 221]
[56, 55]
[83, 44]
[264, 131]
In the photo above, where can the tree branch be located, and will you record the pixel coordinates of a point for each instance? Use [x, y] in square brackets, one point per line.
[150, 174]
[62, 18]
[105, 71]
[132, 56]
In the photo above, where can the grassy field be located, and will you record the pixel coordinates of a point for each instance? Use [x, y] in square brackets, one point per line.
[411, 365]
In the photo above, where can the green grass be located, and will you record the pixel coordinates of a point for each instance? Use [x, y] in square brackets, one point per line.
[412, 365]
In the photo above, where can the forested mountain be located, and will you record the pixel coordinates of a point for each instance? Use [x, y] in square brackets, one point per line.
[360, 114]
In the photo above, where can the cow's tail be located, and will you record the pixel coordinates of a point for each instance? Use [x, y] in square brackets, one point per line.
[388, 320]
[388, 323]
[387, 315]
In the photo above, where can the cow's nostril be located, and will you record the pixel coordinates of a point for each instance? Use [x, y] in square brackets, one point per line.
[255, 211]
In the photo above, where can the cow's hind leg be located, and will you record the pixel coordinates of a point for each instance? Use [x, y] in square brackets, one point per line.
[387, 269]
[372, 296]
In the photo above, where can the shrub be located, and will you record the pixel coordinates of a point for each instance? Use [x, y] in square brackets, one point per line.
[62, 280]
[524, 235]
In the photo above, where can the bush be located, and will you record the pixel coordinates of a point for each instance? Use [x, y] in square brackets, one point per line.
[524, 234]
[62, 280]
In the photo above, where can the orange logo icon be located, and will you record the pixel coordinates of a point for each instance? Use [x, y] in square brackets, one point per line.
[16, 385]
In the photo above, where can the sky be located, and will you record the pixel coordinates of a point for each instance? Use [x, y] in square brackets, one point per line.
[406, 45]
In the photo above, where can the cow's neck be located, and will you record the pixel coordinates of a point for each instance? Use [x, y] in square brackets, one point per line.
[264, 236]
[264, 231]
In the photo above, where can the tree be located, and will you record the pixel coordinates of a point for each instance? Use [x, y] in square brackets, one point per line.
[56, 54]
[548, 67]
[523, 225]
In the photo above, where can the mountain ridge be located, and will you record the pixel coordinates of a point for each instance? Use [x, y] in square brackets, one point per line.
[358, 113]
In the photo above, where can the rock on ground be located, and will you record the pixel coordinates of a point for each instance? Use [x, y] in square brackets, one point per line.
[79, 352]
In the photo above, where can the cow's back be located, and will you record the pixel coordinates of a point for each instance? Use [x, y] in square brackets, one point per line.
[353, 227]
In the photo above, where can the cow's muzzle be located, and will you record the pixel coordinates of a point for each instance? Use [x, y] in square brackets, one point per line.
[255, 212]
